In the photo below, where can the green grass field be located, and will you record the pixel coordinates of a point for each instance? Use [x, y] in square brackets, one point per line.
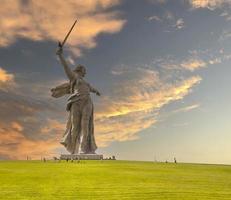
[113, 180]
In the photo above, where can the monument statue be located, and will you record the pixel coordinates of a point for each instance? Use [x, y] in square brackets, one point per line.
[79, 135]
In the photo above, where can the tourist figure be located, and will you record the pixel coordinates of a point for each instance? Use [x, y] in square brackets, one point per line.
[175, 161]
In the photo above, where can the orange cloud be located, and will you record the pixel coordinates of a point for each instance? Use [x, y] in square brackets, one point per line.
[122, 128]
[50, 20]
[14, 145]
[16, 126]
[6, 80]
[193, 64]
[53, 125]
[5, 76]
[210, 4]
[121, 119]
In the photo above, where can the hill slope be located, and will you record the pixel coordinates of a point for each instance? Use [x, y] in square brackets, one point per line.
[35, 180]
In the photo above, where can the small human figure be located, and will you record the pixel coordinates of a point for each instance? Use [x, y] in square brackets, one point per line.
[175, 160]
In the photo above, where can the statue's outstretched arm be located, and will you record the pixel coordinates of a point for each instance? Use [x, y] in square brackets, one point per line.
[94, 90]
[70, 74]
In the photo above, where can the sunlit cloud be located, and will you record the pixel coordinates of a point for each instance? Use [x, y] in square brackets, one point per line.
[16, 126]
[215, 61]
[14, 145]
[49, 20]
[193, 64]
[5, 76]
[28, 135]
[210, 4]
[187, 108]
[7, 80]
[53, 126]
[136, 103]
[122, 128]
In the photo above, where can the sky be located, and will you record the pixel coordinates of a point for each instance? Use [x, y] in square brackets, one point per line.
[162, 66]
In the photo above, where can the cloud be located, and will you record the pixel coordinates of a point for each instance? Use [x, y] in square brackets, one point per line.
[122, 128]
[215, 61]
[210, 4]
[169, 16]
[193, 64]
[14, 145]
[6, 80]
[226, 15]
[135, 104]
[50, 20]
[53, 126]
[26, 128]
[179, 24]
[225, 35]
[16, 126]
[169, 19]
[5, 76]
[187, 108]
[155, 18]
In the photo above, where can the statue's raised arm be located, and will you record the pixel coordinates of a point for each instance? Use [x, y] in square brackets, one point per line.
[70, 74]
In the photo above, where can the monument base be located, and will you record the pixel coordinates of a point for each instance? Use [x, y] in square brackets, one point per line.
[81, 157]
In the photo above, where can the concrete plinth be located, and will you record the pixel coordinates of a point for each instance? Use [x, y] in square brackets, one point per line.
[81, 157]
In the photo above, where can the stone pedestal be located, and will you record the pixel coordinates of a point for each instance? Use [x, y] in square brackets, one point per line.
[81, 157]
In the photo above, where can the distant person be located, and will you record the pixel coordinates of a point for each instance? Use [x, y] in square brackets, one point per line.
[175, 160]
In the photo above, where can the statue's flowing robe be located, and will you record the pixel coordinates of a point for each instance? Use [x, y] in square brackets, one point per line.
[79, 134]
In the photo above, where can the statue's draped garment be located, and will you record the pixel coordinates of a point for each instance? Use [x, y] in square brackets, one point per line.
[79, 134]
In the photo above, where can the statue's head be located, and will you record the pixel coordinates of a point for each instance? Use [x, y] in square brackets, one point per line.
[80, 70]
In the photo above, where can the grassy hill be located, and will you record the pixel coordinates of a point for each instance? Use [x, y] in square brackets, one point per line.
[107, 180]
